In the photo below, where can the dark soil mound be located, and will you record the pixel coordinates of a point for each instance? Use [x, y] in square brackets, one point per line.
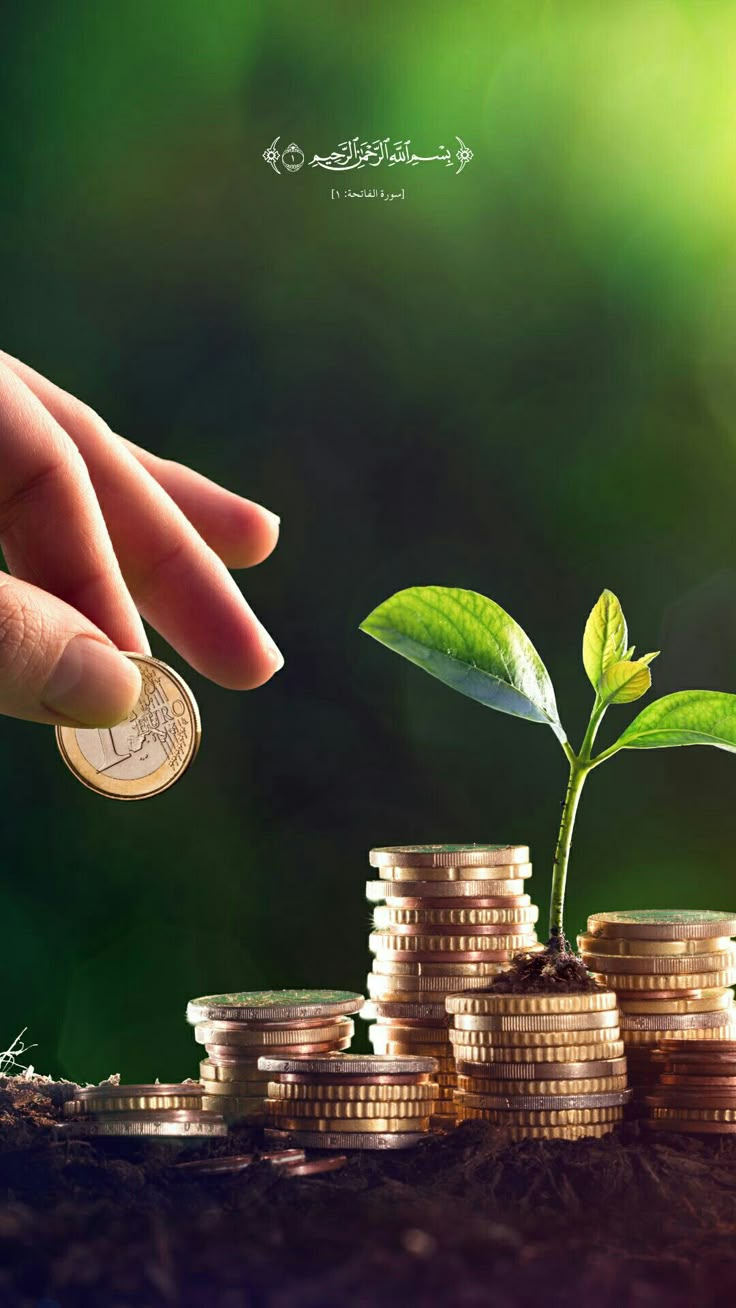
[553, 971]
[466, 1220]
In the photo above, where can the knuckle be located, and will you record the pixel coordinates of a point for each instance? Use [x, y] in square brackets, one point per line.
[21, 634]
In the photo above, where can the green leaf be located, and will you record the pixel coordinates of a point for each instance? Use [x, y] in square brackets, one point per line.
[605, 637]
[689, 717]
[471, 644]
[624, 682]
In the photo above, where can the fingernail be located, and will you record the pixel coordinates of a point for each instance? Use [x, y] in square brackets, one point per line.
[273, 516]
[92, 684]
[276, 656]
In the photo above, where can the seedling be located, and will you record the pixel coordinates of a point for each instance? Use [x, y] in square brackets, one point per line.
[470, 643]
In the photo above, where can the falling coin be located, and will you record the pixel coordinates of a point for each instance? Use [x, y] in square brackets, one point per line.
[149, 750]
[317, 1166]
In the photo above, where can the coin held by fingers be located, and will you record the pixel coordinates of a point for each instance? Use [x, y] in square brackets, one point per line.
[149, 750]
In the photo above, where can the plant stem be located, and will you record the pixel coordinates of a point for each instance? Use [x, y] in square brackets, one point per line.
[578, 773]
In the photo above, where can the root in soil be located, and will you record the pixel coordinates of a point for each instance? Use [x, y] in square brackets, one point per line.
[555, 970]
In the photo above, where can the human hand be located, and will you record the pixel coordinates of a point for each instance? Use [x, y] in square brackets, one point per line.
[95, 531]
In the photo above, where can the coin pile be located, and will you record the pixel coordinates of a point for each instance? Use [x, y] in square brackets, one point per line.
[452, 917]
[547, 1066]
[671, 971]
[236, 1029]
[160, 1111]
[351, 1101]
[695, 1091]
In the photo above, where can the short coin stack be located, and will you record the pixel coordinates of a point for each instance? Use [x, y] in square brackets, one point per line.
[453, 917]
[237, 1029]
[351, 1101]
[155, 1110]
[696, 1088]
[548, 1066]
[671, 971]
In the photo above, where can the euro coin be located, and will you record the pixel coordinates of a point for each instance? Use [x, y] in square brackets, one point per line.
[396, 1011]
[588, 1132]
[235, 1164]
[497, 882]
[652, 965]
[447, 856]
[502, 919]
[565, 1117]
[690, 1127]
[346, 1140]
[341, 1065]
[539, 1103]
[663, 924]
[317, 1166]
[273, 1006]
[234, 1106]
[210, 1071]
[389, 966]
[652, 948]
[593, 1001]
[696, 1114]
[436, 894]
[562, 1069]
[707, 1001]
[671, 983]
[583, 1086]
[344, 1110]
[147, 752]
[354, 1093]
[423, 987]
[232, 1033]
[525, 1039]
[178, 1123]
[717, 1019]
[336, 1126]
[530, 1022]
[602, 1051]
[236, 1089]
[223, 1054]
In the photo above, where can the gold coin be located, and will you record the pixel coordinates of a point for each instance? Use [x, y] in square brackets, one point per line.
[540, 1053]
[231, 1106]
[245, 1071]
[236, 1089]
[415, 989]
[365, 1110]
[447, 856]
[354, 1093]
[409, 967]
[593, 1001]
[132, 1104]
[441, 894]
[553, 1117]
[402, 1049]
[695, 1114]
[684, 981]
[149, 750]
[591, 1085]
[519, 1132]
[689, 1033]
[386, 916]
[653, 965]
[513, 1039]
[720, 1019]
[500, 947]
[420, 1034]
[709, 1001]
[334, 1124]
[497, 882]
[551, 1022]
[653, 948]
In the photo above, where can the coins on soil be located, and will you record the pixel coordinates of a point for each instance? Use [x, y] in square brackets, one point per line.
[147, 752]
[347, 1140]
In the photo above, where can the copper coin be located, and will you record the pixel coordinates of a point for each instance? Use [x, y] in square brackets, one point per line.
[521, 931]
[231, 1033]
[543, 1071]
[317, 1166]
[707, 1082]
[349, 1065]
[690, 1128]
[435, 894]
[447, 856]
[464, 956]
[342, 1140]
[725, 1049]
[398, 1010]
[675, 1021]
[224, 1053]
[234, 1163]
[330, 1078]
[680, 1097]
[653, 965]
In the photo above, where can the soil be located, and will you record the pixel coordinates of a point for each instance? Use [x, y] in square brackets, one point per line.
[555, 970]
[466, 1220]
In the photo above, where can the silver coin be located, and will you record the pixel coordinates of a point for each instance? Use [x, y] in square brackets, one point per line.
[350, 1065]
[273, 1005]
[346, 1140]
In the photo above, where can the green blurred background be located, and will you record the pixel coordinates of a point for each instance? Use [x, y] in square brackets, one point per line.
[520, 380]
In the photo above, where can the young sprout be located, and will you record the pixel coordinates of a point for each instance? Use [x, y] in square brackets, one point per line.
[474, 646]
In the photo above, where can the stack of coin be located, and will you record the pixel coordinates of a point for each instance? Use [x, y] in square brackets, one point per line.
[452, 918]
[671, 971]
[353, 1101]
[236, 1029]
[695, 1091]
[548, 1066]
[160, 1111]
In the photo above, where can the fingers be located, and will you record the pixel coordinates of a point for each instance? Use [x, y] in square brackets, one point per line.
[241, 532]
[57, 667]
[51, 527]
[176, 580]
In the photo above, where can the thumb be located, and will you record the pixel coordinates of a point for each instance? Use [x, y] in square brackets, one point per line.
[56, 666]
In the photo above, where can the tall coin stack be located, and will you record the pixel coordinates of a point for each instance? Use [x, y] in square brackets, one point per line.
[671, 971]
[540, 1066]
[695, 1091]
[350, 1102]
[237, 1029]
[452, 918]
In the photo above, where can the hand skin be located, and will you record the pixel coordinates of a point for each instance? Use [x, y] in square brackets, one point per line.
[96, 532]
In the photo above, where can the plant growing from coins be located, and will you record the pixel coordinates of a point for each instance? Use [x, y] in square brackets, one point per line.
[475, 647]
